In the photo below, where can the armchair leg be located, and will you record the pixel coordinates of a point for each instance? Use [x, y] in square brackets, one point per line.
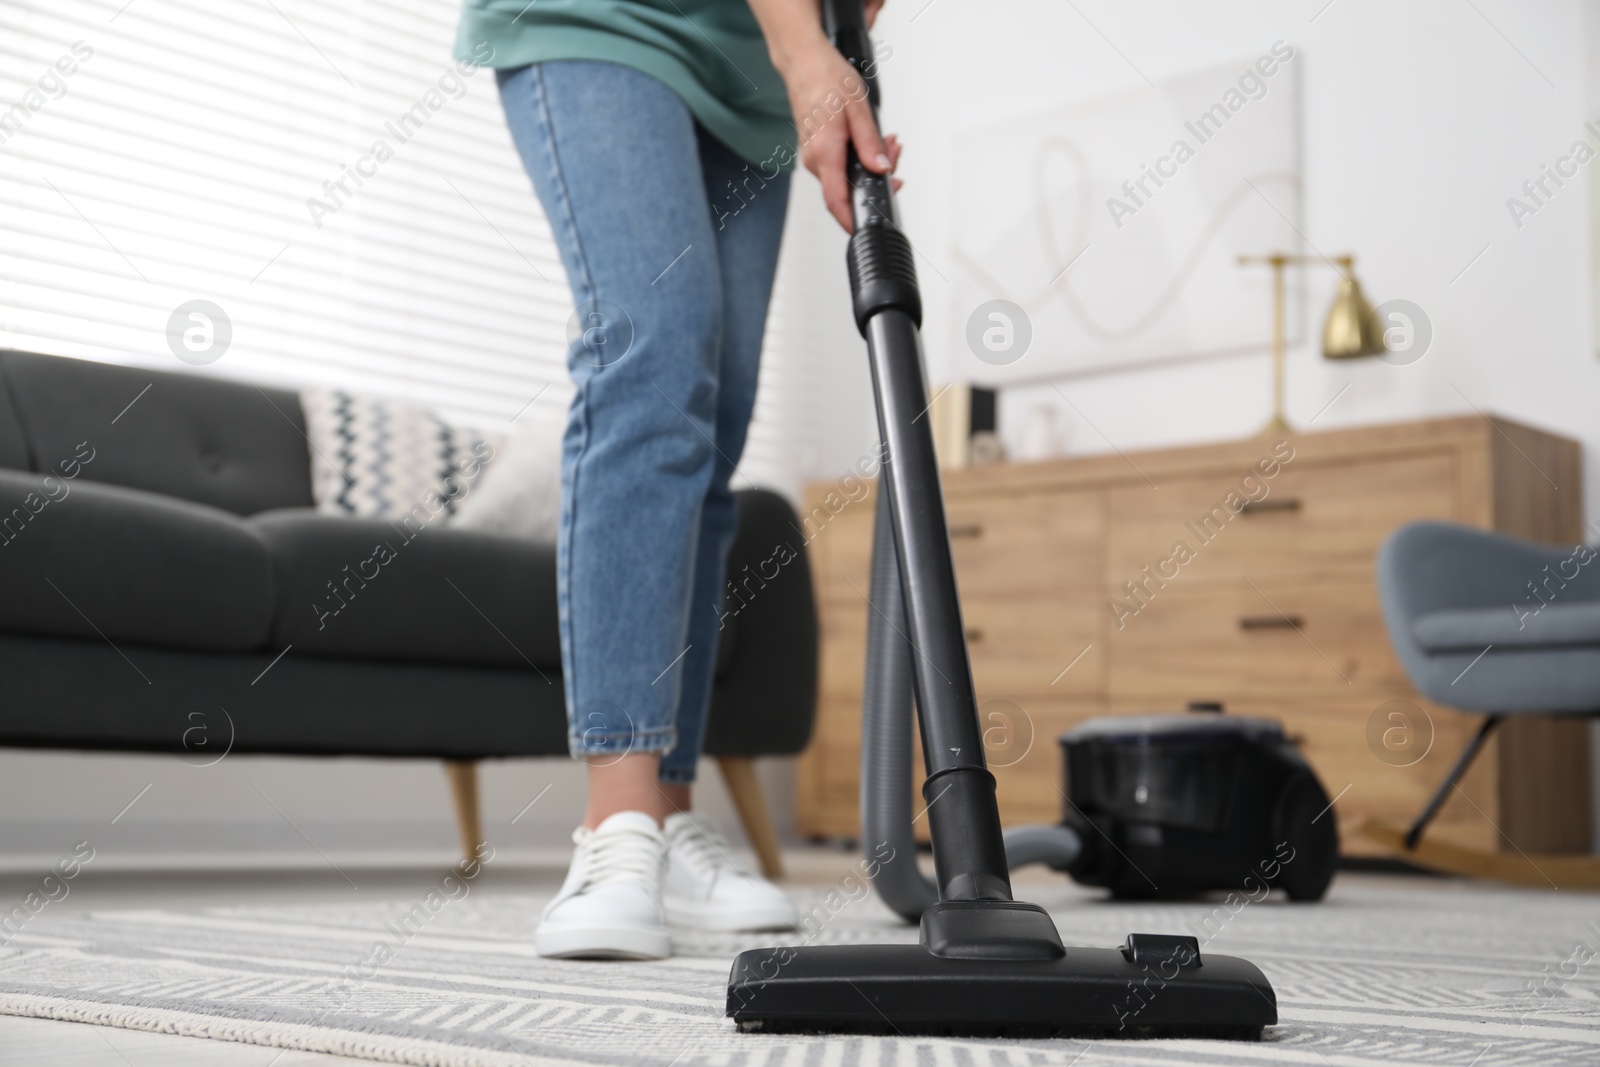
[739, 773]
[463, 776]
[1442, 794]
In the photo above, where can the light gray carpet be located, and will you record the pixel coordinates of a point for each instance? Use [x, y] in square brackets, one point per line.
[1387, 971]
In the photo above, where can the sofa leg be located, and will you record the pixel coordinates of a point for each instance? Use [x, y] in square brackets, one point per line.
[463, 775]
[739, 772]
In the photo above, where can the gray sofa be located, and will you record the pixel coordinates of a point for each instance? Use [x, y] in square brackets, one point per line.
[159, 552]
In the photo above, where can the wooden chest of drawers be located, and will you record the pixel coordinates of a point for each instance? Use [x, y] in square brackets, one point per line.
[1238, 573]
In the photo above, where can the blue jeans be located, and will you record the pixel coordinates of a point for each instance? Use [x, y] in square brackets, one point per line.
[670, 243]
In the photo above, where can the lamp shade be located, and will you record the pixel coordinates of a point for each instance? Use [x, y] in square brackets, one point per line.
[1352, 329]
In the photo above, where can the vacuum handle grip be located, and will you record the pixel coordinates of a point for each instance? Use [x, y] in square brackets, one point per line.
[845, 22]
[883, 273]
[843, 15]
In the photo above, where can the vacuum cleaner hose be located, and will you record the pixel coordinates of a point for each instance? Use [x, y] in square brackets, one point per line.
[886, 736]
[886, 753]
[1058, 847]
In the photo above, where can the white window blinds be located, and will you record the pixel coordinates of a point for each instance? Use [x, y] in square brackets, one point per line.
[322, 173]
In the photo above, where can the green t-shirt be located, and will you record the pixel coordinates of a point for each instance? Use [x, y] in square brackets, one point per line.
[710, 52]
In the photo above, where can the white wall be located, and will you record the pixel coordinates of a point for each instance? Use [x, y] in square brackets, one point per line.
[1419, 120]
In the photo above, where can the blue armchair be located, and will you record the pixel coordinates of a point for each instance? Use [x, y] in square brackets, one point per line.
[1489, 623]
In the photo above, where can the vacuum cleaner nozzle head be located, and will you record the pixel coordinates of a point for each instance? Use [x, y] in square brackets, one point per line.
[1154, 986]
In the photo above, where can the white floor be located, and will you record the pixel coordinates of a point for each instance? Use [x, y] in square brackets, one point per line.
[43, 1041]
[59, 1044]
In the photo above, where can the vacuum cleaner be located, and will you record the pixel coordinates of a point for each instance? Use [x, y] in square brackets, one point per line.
[1172, 806]
[986, 964]
[1156, 807]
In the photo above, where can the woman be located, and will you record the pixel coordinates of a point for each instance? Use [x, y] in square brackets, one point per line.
[658, 135]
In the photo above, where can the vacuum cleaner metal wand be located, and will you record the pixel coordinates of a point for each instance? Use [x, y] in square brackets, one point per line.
[964, 820]
[986, 963]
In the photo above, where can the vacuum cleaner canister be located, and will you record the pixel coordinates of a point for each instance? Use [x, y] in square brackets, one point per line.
[1177, 805]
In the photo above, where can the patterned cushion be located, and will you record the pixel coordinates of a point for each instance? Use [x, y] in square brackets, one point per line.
[374, 458]
[522, 497]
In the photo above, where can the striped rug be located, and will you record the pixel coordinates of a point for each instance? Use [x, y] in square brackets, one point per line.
[1386, 971]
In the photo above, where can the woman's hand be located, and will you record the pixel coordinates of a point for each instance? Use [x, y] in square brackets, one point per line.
[828, 100]
[831, 113]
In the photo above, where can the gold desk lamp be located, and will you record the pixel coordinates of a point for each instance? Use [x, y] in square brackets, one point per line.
[1351, 331]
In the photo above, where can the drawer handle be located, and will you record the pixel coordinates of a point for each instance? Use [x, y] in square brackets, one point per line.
[1257, 507]
[971, 529]
[1271, 622]
[974, 635]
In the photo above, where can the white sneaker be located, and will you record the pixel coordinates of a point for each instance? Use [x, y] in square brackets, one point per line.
[704, 889]
[610, 905]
